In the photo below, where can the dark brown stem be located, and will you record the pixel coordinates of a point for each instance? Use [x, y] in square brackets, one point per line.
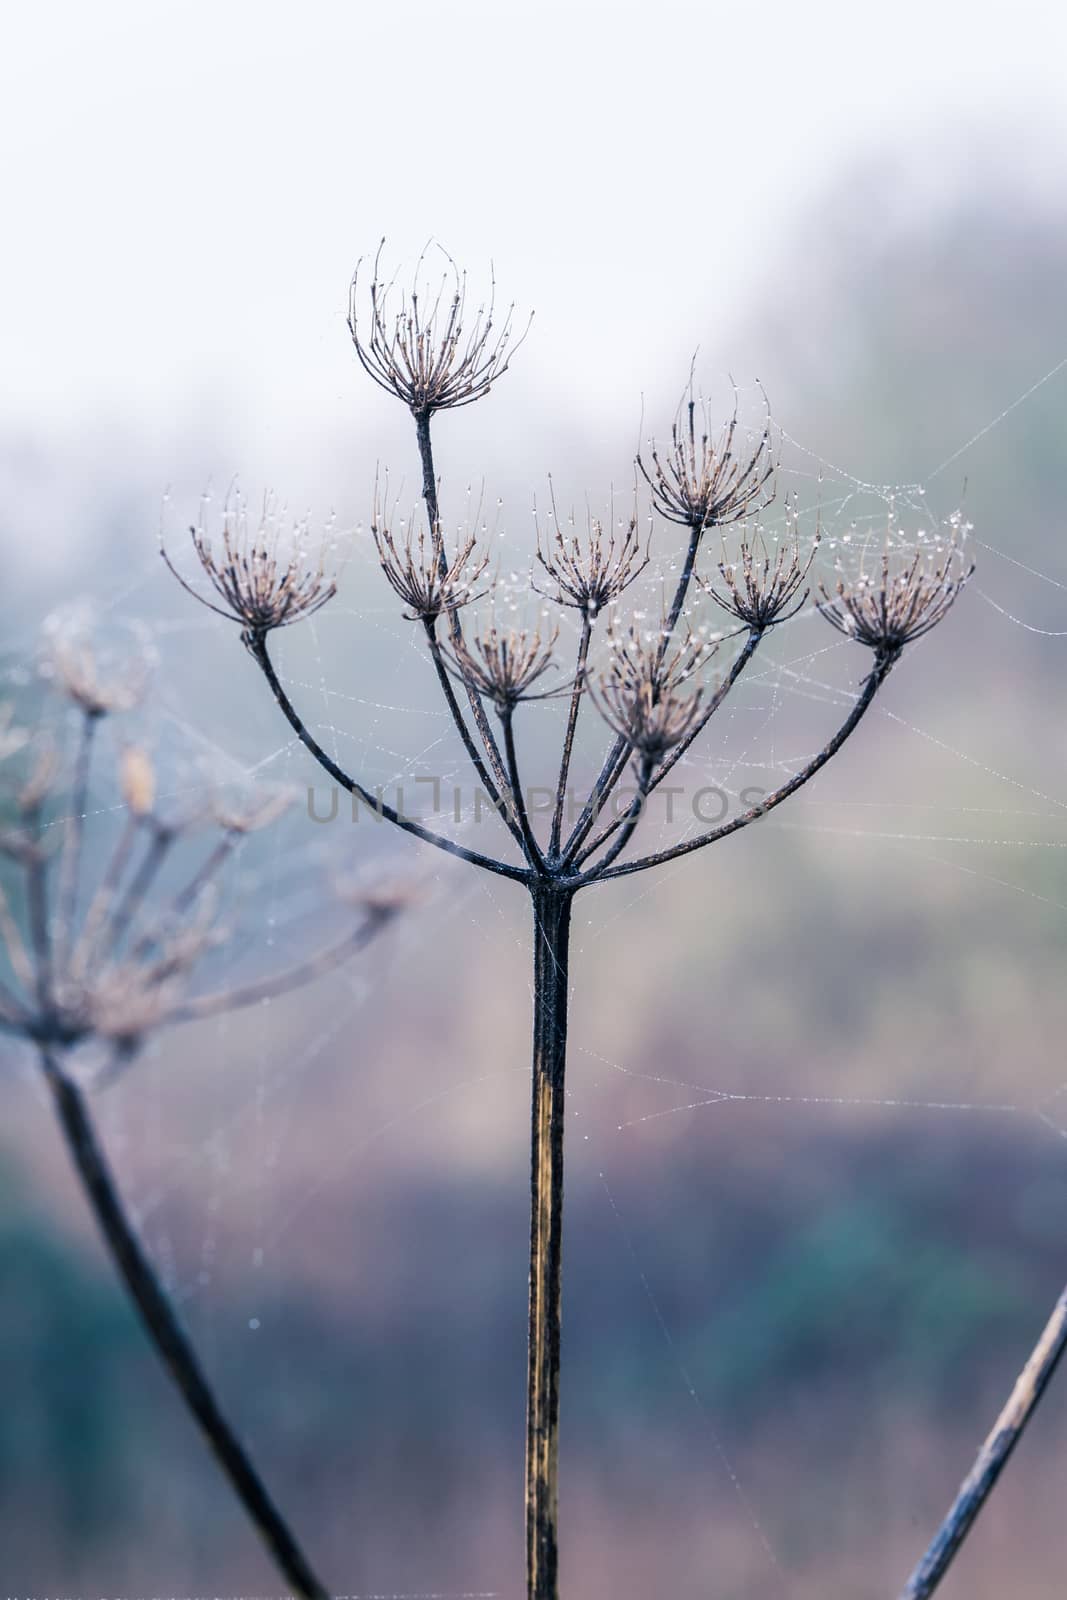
[552, 913]
[460, 721]
[455, 627]
[875, 678]
[628, 820]
[993, 1456]
[258, 647]
[696, 533]
[166, 1333]
[568, 740]
[530, 844]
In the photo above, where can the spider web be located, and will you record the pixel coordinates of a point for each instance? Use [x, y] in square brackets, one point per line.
[242, 1133]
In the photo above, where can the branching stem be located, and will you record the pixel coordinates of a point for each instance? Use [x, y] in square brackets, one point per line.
[258, 647]
[469, 745]
[875, 678]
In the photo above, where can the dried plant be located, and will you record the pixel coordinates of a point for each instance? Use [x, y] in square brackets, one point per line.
[646, 694]
[504, 664]
[590, 573]
[428, 583]
[653, 689]
[763, 584]
[906, 597]
[98, 968]
[427, 348]
[261, 587]
[699, 481]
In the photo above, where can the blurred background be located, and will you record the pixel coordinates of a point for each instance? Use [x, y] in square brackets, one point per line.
[817, 1182]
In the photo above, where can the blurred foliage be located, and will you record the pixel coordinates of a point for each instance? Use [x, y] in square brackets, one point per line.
[73, 1422]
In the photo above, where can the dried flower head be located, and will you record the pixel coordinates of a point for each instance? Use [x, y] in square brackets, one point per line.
[96, 681]
[418, 568]
[126, 994]
[429, 349]
[647, 692]
[589, 573]
[764, 583]
[108, 957]
[261, 587]
[699, 482]
[907, 596]
[382, 900]
[249, 813]
[503, 665]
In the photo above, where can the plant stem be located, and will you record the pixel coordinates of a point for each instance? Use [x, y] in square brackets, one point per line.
[552, 915]
[568, 741]
[167, 1334]
[455, 627]
[993, 1456]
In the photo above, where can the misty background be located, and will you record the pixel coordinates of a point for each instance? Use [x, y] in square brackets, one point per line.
[791, 1314]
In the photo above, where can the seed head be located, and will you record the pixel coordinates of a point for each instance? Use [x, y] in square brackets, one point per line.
[261, 807]
[647, 694]
[504, 665]
[420, 572]
[261, 588]
[904, 598]
[429, 349]
[763, 584]
[589, 573]
[699, 482]
[97, 682]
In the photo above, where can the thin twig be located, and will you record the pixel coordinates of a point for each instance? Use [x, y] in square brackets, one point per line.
[618, 755]
[875, 678]
[993, 1456]
[258, 647]
[445, 680]
[533, 849]
[455, 626]
[250, 994]
[568, 740]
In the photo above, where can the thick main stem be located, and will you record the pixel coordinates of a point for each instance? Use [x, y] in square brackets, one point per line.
[552, 915]
[167, 1334]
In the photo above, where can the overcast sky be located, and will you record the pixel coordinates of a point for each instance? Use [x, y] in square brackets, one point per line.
[185, 188]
